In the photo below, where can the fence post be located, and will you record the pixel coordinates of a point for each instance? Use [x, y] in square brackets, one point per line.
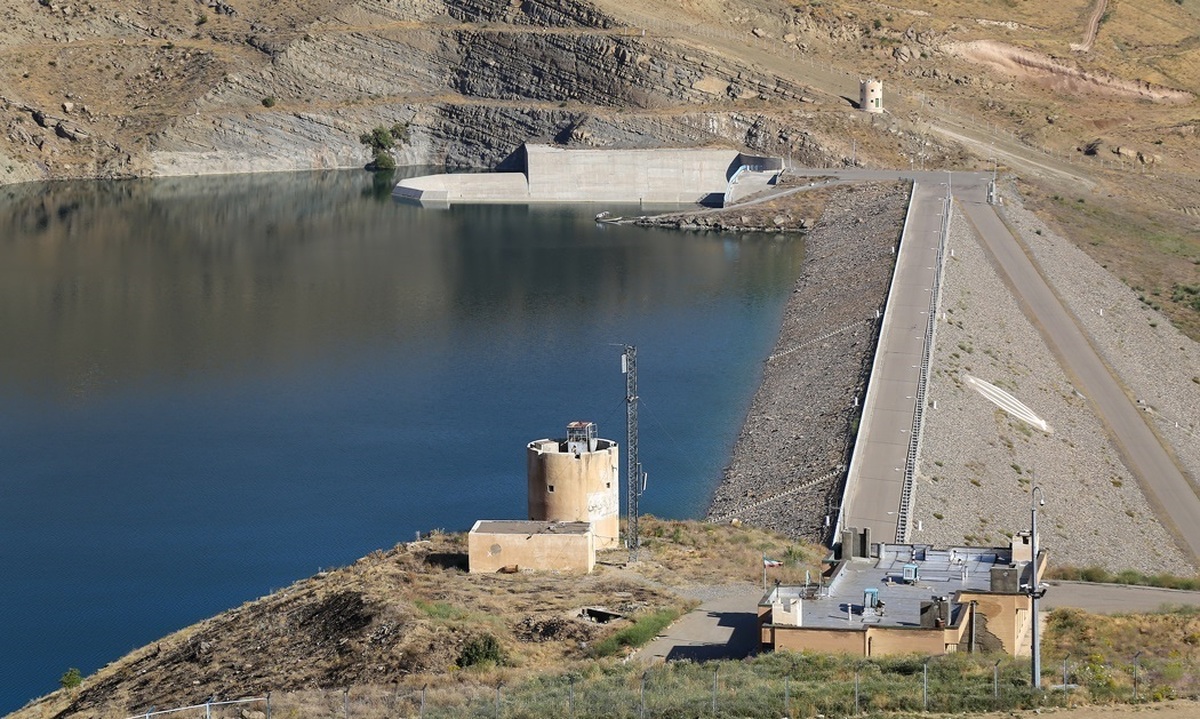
[346, 702]
[422, 712]
[1136, 657]
[498, 685]
[714, 692]
[925, 686]
[642, 710]
[571, 696]
[208, 708]
[996, 681]
[268, 705]
[856, 691]
[787, 697]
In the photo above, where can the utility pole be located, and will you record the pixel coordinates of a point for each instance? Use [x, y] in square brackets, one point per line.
[1035, 500]
[633, 466]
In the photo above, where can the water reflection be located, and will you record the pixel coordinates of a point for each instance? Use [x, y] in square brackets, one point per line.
[213, 386]
[110, 282]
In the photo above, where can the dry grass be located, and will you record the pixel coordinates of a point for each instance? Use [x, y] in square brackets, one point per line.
[1153, 252]
[399, 620]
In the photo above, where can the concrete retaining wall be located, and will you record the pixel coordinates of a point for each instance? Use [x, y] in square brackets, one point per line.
[556, 175]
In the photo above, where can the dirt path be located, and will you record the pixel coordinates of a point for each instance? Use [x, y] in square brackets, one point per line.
[1093, 27]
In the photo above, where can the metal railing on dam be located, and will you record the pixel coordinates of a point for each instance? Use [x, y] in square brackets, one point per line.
[904, 514]
[878, 494]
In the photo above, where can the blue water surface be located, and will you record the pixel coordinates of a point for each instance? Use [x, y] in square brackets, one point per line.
[212, 387]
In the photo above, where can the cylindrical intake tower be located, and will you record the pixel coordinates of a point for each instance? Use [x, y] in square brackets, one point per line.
[870, 95]
[576, 480]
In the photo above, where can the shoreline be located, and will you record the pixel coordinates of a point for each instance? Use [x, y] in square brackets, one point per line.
[788, 464]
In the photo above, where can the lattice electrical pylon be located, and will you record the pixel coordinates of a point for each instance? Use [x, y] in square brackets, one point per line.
[633, 467]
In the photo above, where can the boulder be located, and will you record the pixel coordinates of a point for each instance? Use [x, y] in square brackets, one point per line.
[71, 132]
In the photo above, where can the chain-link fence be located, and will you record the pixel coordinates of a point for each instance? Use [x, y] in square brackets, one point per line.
[779, 685]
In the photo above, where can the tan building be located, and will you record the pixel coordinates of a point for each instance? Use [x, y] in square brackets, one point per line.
[576, 480]
[870, 95]
[909, 598]
[495, 545]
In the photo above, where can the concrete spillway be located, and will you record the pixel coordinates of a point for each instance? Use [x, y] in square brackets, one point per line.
[553, 174]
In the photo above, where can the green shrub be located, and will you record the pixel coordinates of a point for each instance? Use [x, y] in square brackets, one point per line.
[70, 679]
[381, 140]
[268, 102]
[483, 650]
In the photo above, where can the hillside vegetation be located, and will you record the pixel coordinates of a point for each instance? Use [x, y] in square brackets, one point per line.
[406, 631]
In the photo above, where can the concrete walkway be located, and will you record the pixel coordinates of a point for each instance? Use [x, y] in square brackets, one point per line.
[722, 628]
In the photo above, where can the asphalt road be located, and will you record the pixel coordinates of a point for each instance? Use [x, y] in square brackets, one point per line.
[872, 497]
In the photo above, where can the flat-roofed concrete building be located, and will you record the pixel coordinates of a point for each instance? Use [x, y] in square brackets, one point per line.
[514, 545]
[901, 599]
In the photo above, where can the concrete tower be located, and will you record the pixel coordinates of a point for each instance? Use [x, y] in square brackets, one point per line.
[870, 95]
[576, 480]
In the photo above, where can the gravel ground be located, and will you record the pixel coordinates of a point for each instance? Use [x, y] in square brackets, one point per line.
[976, 463]
[788, 465]
[1159, 366]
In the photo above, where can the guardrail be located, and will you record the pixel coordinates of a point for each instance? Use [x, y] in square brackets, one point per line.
[904, 513]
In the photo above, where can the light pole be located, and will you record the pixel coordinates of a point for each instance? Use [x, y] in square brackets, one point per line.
[1035, 501]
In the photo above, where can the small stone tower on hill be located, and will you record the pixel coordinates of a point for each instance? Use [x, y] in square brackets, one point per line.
[870, 95]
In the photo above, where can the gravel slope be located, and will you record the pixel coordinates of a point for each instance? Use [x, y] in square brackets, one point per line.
[788, 464]
[976, 463]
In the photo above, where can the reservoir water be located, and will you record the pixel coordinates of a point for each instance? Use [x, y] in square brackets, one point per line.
[212, 387]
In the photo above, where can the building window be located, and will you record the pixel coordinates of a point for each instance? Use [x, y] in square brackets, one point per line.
[551, 486]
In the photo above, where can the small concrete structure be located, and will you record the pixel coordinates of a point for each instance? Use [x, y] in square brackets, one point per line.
[870, 95]
[496, 545]
[576, 480]
[908, 598]
[553, 174]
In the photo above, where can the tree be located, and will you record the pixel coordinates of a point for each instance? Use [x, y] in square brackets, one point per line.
[70, 679]
[381, 140]
[482, 650]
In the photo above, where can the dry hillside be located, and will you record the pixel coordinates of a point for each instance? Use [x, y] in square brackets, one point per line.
[402, 618]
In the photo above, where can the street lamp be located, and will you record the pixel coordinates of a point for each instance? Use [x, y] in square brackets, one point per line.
[1035, 592]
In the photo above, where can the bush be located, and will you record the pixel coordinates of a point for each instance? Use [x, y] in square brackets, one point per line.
[483, 650]
[70, 679]
[381, 140]
[383, 161]
[268, 102]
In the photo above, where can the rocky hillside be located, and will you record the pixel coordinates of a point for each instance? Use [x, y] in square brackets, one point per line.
[186, 88]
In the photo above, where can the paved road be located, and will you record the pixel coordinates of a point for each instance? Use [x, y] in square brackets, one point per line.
[1114, 598]
[1172, 495]
[876, 474]
[726, 628]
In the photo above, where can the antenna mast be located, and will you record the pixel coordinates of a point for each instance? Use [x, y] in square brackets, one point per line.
[633, 467]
